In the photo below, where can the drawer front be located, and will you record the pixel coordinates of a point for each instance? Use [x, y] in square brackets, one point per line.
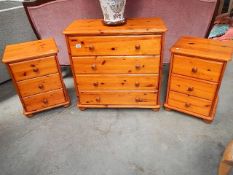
[117, 64]
[117, 82]
[34, 68]
[202, 89]
[118, 98]
[115, 45]
[39, 85]
[189, 103]
[40, 101]
[198, 68]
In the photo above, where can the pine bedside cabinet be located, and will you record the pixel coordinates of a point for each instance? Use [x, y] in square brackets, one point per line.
[116, 67]
[196, 70]
[36, 74]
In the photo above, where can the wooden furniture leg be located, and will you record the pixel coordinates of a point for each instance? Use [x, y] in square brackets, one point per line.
[167, 109]
[155, 109]
[82, 108]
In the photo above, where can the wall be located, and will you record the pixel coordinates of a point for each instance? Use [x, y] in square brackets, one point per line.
[14, 28]
[182, 17]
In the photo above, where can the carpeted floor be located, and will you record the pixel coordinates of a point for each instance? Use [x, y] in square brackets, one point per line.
[66, 141]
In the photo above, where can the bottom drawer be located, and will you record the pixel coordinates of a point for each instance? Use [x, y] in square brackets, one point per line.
[118, 98]
[189, 103]
[40, 101]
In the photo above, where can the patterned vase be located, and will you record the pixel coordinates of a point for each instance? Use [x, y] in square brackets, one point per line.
[113, 11]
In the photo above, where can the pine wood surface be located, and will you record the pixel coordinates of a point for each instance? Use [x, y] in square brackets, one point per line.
[34, 68]
[115, 45]
[194, 87]
[119, 98]
[117, 82]
[206, 48]
[195, 76]
[39, 85]
[133, 26]
[29, 50]
[226, 162]
[37, 76]
[197, 68]
[36, 102]
[189, 103]
[117, 64]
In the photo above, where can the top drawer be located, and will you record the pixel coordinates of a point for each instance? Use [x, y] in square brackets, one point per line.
[115, 45]
[197, 68]
[34, 68]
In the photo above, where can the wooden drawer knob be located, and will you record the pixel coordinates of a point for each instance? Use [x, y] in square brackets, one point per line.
[137, 46]
[187, 105]
[138, 99]
[45, 101]
[93, 67]
[137, 67]
[91, 48]
[194, 69]
[190, 89]
[96, 84]
[35, 69]
[98, 99]
[41, 86]
[137, 84]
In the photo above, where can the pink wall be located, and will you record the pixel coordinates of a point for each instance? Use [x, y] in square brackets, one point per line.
[182, 17]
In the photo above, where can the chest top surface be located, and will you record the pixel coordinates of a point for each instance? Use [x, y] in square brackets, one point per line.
[133, 26]
[29, 50]
[206, 48]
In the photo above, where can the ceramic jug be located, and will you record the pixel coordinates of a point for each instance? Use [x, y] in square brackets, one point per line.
[113, 11]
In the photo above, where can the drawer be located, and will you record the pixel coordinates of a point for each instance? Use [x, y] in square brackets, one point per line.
[198, 88]
[198, 68]
[117, 64]
[118, 98]
[117, 82]
[115, 45]
[40, 101]
[34, 68]
[39, 85]
[189, 103]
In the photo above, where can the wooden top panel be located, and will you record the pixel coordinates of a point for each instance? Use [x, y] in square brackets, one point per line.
[29, 50]
[207, 48]
[133, 26]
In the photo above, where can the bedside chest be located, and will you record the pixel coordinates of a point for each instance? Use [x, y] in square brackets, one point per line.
[36, 74]
[196, 70]
[117, 67]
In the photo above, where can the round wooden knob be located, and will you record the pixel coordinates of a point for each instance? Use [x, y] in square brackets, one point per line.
[190, 89]
[91, 48]
[98, 99]
[96, 84]
[187, 105]
[45, 101]
[137, 67]
[194, 69]
[93, 67]
[137, 46]
[137, 84]
[137, 99]
[41, 86]
[35, 69]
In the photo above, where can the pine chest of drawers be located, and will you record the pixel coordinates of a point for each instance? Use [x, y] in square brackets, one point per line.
[116, 67]
[196, 70]
[36, 74]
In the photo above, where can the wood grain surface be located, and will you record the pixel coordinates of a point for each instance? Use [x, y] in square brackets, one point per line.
[29, 50]
[133, 26]
[117, 64]
[115, 45]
